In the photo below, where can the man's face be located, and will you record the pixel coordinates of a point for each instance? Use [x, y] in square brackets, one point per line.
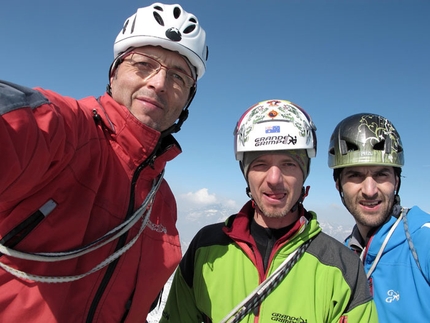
[155, 101]
[275, 182]
[369, 193]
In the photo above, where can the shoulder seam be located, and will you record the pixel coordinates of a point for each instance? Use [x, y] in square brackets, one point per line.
[14, 97]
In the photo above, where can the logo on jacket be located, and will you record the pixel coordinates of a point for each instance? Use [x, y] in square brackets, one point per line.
[426, 225]
[278, 317]
[156, 227]
[392, 296]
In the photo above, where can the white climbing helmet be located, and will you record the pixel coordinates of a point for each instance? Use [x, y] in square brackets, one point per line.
[274, 125]
[168, 26]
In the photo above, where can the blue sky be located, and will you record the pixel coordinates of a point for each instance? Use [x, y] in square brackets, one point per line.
[332, 57]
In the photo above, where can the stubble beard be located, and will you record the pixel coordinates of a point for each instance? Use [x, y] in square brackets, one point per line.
[274, 213]
[368, 219]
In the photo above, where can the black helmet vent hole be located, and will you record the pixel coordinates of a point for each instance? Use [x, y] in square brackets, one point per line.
[380, 145]
[346, 147]
[158, 18]
[132, 25]
[177, 12]
[351, 147]
[124, 29]
[189, 29]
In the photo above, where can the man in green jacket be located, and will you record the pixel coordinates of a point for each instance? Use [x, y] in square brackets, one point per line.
[270, 262]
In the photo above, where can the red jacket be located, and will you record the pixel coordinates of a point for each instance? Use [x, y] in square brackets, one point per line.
[80, 154]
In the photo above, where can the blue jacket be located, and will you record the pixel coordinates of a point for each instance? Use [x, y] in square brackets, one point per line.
[400, 290]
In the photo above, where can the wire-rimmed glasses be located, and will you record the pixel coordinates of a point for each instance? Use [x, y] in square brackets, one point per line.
[148, 67]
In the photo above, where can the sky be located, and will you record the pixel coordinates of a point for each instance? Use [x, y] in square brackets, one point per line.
[333, 58]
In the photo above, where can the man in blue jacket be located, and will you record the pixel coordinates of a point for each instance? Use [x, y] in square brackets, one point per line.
[366, 155]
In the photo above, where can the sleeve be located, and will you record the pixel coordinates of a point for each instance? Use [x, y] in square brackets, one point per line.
[359, 305]
[181, 306]
[420, 240]
[365, 312]
[349, 297]
[32, 139]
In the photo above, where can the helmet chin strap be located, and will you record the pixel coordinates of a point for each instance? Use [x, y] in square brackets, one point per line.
[182, 117]
[176, 126]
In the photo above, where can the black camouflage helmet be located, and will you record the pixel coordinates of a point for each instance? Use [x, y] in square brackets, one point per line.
[365, 139]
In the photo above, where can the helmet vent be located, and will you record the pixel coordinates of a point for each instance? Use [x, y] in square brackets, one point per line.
[132, 25]
[346, 147]
[380, 145]
[177, 12]
[125, 26]
[158, 18]
[189, 29]
[385, 145]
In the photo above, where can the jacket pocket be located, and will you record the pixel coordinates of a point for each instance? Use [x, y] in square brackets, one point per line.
[17, 234]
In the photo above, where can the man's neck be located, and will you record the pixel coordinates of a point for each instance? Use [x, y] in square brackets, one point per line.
[265, 238]
[275, 222]
[364, 232]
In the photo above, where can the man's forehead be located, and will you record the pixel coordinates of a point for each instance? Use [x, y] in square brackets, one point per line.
[272, 155]
[367, 169]
[162, 53]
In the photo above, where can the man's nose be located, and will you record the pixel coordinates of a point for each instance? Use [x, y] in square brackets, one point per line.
[274, 175]
[158, 79]
[370, 187]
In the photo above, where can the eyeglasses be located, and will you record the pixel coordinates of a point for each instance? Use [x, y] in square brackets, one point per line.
[148, 67]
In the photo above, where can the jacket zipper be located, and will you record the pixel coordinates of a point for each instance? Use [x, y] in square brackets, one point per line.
[121, 242]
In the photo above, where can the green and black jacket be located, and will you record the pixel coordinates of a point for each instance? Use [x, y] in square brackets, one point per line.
[222, 266]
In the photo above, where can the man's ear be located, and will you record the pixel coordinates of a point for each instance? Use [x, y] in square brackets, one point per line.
[337, 184]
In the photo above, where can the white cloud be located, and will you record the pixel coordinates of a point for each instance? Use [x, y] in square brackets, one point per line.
[200, 197]
[231, 204]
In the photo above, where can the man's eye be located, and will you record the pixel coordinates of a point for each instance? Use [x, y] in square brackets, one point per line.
[257, 166]
[144, 64]
[179, 77]
[353, 175]
[382, 174]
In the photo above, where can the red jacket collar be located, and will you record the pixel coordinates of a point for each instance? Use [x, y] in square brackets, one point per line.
[129, 132]
[238, 227]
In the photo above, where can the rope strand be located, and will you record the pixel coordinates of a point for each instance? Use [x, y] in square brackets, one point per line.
[265, 288]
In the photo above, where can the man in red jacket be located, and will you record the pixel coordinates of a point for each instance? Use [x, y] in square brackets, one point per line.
[87, 222]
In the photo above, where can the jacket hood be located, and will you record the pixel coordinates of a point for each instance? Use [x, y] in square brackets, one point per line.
[398, 236]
